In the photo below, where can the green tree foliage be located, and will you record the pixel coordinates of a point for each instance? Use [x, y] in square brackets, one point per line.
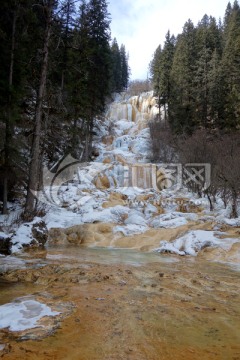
[155, 70]
[17, 26]
[56, 76]
[89, 83]
[203, 103]
[231, 68]
[182, 106]
[119, 70]
[209, 50]
[160, 72]
[197, 76]
[125, 70]
[166, 67]
[116, 76]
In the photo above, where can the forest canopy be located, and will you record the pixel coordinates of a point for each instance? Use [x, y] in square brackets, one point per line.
[196, 75]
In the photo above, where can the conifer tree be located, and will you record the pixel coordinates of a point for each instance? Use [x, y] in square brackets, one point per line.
[8, 30]
[35, 159]
[155, 70]
[15, 35]
[125, 71]
[165, 73]
[231, 68]
[67, 19]
[54, 83]
[90, 66]
[182, 109]
[208, 37]
[116, 67]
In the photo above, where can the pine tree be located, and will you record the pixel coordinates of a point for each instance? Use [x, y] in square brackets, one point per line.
[7, 92]
[182, 109]
[67, 19]
[216, 92]
[76, 84]
[228, 13]
[204, 83]
[165, 73]
[98, 67]
[160, 72]
[209, 45]
[155, 70]
[15, 21]
[116, 68]
[125, 70]
[35, 159]
[54, 83]
[231, 68]
[90, 64]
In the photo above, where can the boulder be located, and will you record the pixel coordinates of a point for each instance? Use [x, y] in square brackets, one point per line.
[102, 182]
[82, 234]
[57, 236]
[40, 233]
[5, 245]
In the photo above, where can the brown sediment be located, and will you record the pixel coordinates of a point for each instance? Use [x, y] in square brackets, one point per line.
[179, 310]
[114, 200]
[101, 235]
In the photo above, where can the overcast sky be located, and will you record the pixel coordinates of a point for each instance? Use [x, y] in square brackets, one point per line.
[141, 25]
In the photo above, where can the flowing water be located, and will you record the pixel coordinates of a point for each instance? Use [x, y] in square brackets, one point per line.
[129, 305]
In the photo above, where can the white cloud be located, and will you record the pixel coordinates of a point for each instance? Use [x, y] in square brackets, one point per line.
[142, 25]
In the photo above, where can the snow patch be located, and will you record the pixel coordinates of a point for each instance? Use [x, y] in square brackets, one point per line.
[130, 229]
[23, 314]
[193, 241]
[172, 220]
[114, 214]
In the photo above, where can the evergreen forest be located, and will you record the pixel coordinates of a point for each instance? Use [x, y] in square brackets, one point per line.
[59, 68]
[196, 79]
[196, 75]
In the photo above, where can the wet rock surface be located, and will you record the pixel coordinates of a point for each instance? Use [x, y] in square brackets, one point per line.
[187, 309]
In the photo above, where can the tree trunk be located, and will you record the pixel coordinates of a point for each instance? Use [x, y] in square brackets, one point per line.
[224, 196]
[87, 141]
[65, 54]
[75, 135]
[159, 107]
[210, 202]
[8, 133]
[165, 115]
[35, 150]
[5, 194]
[90, 138]
[234, 213]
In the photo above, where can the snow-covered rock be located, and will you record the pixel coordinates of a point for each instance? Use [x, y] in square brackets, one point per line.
[32, 234]
[130, 229]
[172, 219]
[194, 241]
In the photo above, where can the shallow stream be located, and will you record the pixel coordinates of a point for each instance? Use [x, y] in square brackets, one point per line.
[128, 305]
